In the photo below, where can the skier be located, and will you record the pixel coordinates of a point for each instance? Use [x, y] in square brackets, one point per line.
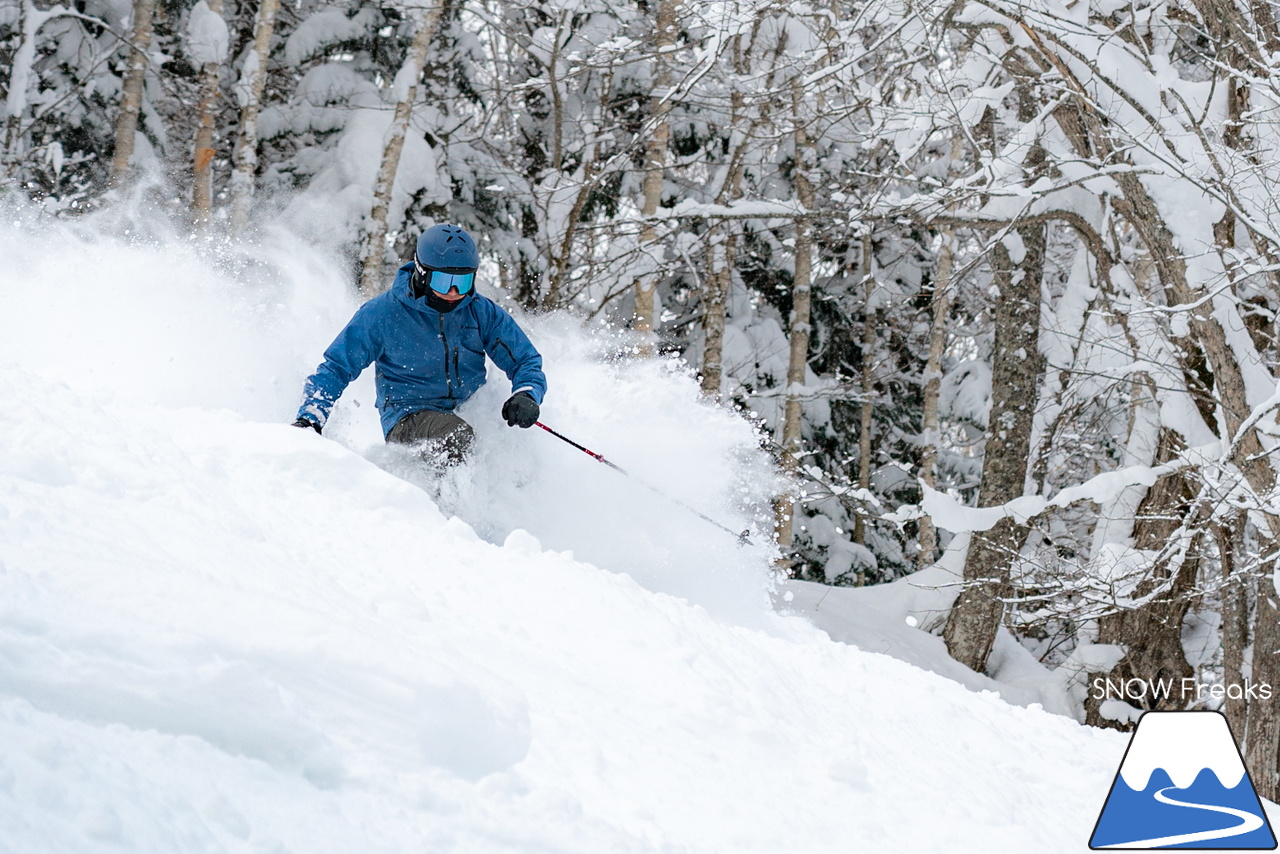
[429, 335]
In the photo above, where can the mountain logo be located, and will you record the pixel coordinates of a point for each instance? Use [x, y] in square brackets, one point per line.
[1182, 784]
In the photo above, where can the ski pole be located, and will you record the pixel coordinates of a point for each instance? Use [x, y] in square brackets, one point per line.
[742, 538]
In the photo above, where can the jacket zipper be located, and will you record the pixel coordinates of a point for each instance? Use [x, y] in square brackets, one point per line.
[510, 355]
[444, 341]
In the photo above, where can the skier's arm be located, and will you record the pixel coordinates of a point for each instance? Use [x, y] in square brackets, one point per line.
[513, 352]
[351, 352]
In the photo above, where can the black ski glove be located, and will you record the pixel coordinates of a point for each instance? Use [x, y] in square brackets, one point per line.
[306, 422]
[520, 410]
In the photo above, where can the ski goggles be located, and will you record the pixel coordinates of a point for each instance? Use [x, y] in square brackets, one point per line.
[441, 282]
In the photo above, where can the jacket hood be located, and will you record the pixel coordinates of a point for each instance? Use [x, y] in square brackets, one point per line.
[401, 290]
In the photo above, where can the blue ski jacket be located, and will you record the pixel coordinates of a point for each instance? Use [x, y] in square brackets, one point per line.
[425, 359]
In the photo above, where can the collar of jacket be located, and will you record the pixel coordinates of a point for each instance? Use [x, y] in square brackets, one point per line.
[402, 292]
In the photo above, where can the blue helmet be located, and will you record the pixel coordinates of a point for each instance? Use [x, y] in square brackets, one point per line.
[448, 248]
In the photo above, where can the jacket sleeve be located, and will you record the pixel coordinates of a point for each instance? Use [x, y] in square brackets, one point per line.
[513, 352]
[356, 346]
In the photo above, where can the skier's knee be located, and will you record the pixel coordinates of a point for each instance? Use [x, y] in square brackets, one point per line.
[456, 445]
[438, 437]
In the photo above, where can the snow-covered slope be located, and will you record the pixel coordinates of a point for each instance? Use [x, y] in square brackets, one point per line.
[221, 633]
[893, 618]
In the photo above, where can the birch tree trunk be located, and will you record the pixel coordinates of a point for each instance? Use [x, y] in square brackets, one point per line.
[254, 81]
[720, 277]
[131, 94]
[1016, 366]
[655, 161]
[720, 251]
[931, 424]
[868, 383]
[406, 84]
[931, 432]
[789, 441]
[206, 115]
[798, 362]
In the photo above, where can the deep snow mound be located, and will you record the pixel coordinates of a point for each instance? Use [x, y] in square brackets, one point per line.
[221, 633]
[224, 635]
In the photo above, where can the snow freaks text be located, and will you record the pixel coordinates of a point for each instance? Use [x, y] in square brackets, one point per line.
[1179, 689]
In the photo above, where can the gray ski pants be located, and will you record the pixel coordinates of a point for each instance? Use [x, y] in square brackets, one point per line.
[440, 435]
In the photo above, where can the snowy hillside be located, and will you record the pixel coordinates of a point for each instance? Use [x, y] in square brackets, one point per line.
[221, 633]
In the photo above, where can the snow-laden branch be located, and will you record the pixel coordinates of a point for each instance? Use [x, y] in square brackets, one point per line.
[949, 513]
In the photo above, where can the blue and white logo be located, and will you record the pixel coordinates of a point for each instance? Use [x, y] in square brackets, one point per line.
[1182, 784]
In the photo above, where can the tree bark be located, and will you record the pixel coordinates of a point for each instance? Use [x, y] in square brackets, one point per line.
[1152, 634]
[372, 281]
[789, 440]
[131, 92]
[254, 81]
[798, 361]
[1234, 37]
[1137, 206]
[206, 117]
[1016, 367]
[720, 251]
[1263, 717]
[868, 384]
[931, 432]
[655, 161]
[1235, 618]
[931, 425]
[1089, 134]
[528, 276]
[1263, 722]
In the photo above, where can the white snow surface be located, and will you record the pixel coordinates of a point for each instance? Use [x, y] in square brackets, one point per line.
[892, 618]
[222, 633]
